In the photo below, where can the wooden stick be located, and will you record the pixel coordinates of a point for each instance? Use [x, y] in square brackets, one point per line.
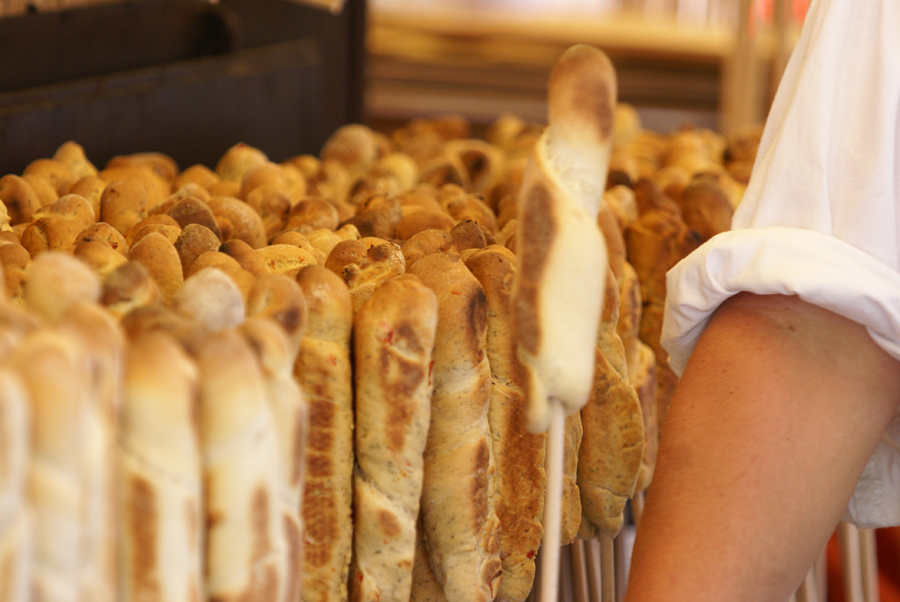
[556, 436]
[607, 568]
[592, 550]
[637, 508]
[579, 572]
[848, 537]
[869, 565]
[621, 569]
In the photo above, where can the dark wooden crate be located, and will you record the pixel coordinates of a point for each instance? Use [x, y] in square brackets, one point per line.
[185, 78]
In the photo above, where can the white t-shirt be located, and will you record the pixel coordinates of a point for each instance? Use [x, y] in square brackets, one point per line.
[821, 214]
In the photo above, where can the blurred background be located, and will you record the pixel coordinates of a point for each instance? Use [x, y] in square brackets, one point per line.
[191, 77]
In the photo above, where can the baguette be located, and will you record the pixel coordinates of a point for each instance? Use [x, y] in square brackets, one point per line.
[458, 488]
[612, 446]
[246, 555]
[518, 454]
[49, 363]
[160, 478]
[276, 356]
[324, 372]
[393, 341]
[15, 519]
[103, 344]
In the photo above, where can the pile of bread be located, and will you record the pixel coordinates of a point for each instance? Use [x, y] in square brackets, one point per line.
[296, 381]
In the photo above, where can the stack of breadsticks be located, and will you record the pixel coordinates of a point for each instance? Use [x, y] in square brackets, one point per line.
[297, 380]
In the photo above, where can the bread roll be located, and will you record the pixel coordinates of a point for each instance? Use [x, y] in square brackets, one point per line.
[246, 555]
[394, 335]
[383, 260]
[214, 259]
[518, 454]
[49, 233]
[91, 189]
[463, 206]
[56, 382]
[198, 174]
[15, 517]
[160, 164]
[245, 255]
[353, 145]
[561, 254]
[19, 198]
[15, 260]
[55, 282]
[239, 218]
[72, 156]
[276, 356]
[126, 202]
[280, 299]
[99, 256]
[312, 213]
[284, 258]
[324, 372]
[377, 216]
[161, 223]
[56, 173]
[210, 298]
[238, 159]
[458, 488]
[468, 235]
[299, 240]
[425, 243]
[128, 287]
[424, 219]
[161, 259]
[193, 241]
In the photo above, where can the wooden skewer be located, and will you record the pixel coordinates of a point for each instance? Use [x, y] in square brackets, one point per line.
[869, 565]
[637, 508]
[579, 572]
[621, 568]
[592, 550]
[556, 436]
[848, 537]
[607, 568]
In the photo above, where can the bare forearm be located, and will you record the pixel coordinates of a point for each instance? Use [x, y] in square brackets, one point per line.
[768, 431]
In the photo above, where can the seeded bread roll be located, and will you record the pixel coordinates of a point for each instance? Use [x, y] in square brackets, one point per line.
[103, 347]
[394, 335]
[276, 357]
[561, 253]
[246, 555]
[56, 382]
[324, 372]
[518, 454]
[458, 487]
[15, 518]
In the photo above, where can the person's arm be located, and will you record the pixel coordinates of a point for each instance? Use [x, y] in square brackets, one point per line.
[773, 420]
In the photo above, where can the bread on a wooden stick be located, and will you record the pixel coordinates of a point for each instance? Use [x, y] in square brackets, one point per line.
[561, 254]
[518, 454]
[161, 526]
[246, 555]
[458, 490]
[394, 335]
[324, 371]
